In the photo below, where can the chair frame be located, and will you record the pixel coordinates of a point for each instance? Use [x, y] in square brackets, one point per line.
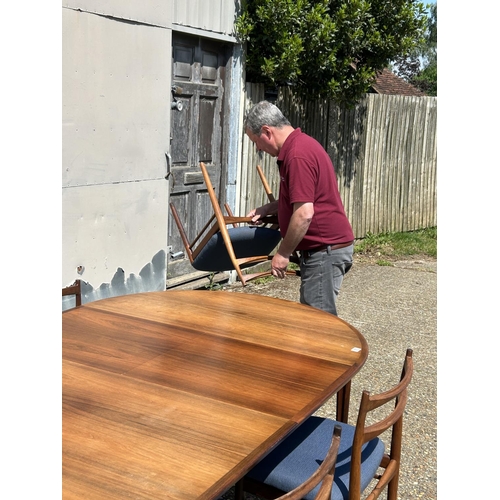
[219, 222]
[267, 188]
[390, 464]
[324, 474]
[74, 289]
[392, 460]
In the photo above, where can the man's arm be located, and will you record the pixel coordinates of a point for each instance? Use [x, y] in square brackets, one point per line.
[297, 228]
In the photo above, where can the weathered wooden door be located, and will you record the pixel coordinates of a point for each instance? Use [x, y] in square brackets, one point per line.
[196, 135]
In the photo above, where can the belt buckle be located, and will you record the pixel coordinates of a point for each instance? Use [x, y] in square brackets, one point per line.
[307, 253]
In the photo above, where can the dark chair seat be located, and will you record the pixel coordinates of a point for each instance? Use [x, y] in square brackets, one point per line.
[247, 242]
[227, 242]
[298, 457]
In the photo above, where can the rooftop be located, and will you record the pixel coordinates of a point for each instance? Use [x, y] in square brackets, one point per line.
[389, 83]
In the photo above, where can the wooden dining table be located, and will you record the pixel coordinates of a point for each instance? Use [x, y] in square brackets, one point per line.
[177, 394]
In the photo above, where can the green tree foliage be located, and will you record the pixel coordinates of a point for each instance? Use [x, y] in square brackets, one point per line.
[420, 66]
[426, 80]
[327, 48]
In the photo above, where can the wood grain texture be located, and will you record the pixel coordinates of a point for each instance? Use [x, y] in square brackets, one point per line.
[177, 394]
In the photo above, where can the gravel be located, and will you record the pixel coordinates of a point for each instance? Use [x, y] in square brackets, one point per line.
[394, 307]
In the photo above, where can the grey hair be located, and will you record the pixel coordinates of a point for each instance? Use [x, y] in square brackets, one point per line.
[264, 113]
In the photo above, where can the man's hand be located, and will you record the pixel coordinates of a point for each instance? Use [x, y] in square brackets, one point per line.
[258, 213]
[279, 265]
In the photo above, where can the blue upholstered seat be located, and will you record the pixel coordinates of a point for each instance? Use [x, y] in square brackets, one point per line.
[246, 241]
[299, 455]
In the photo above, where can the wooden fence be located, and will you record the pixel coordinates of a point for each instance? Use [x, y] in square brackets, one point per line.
[384, 152]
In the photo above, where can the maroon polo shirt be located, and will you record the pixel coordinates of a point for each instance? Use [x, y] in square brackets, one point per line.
[307, 175]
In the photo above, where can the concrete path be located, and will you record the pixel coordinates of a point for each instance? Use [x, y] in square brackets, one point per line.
[394, 307]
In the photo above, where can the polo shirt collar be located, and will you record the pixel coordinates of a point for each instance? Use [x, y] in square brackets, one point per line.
[286, 145]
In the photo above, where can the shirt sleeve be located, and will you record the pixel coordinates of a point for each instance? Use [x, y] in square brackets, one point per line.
[303, 178]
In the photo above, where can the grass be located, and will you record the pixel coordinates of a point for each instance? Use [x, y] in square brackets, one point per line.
[422, 242]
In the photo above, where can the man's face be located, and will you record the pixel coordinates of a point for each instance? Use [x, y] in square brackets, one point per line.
[266, 141]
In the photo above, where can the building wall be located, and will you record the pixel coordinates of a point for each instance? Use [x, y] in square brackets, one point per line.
[116, 134]
[217, 17]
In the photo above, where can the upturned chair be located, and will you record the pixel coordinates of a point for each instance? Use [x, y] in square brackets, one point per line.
[362, 456]
[74, 289]
[224, 244]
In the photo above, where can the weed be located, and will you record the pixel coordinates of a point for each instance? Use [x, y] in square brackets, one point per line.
[211, 285]
[263, 280]
[420, 242]
[384, 263]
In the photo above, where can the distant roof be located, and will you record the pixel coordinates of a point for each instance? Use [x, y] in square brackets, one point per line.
[389, 83]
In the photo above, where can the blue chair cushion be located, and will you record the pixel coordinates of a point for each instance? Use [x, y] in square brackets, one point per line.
[301, 453]
[247, 242]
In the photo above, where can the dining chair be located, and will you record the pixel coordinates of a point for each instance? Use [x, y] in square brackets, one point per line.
[224, 243]
[363, 461]
[74, 289]
[323, 474]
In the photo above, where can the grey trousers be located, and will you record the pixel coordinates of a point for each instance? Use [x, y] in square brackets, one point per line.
[322, 274]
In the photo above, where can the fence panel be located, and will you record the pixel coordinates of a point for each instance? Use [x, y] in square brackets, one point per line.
[384, 151]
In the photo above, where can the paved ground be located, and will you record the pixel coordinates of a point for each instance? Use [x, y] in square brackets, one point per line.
[394, 307]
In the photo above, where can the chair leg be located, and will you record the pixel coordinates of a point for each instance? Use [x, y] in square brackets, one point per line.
[220, 219]
[392, 488]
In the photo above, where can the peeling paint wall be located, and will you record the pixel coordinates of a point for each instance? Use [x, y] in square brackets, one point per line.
[120, 284]
[116, 65]
[116, 110]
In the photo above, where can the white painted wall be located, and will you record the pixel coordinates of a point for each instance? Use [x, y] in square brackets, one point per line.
[214, 16]
[116, 68]
[152, 12]
[116, 108]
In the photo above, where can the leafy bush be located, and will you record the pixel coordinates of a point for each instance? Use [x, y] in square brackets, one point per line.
[327, 48]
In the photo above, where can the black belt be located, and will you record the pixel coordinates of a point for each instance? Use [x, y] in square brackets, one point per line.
[324, 248]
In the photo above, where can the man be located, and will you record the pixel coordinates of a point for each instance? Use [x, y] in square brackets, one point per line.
[310, 212]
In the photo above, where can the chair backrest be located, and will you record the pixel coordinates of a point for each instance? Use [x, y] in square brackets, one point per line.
[74, 289]
[263, 178]
[391, 419]
[362, 457]
[219, 248]
[324, 474]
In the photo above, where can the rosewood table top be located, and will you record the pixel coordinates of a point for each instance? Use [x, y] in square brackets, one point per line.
[177, 394]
